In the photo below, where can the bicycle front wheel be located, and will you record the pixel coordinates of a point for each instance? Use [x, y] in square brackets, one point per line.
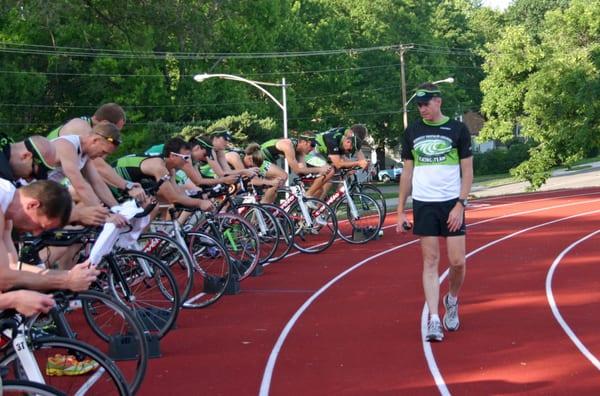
[70, 366]
[23, 387]
[150, 290]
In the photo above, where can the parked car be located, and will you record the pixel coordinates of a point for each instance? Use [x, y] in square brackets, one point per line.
[387, 175]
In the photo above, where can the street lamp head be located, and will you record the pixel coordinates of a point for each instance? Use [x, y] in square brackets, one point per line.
[201, 77]
[448, 80]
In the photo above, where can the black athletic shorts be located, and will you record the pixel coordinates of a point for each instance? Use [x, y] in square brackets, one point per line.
[431, 218]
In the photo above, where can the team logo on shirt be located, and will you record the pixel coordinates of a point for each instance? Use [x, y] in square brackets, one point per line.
[432, 149]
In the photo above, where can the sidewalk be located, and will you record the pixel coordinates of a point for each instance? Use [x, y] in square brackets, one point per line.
[560, 179]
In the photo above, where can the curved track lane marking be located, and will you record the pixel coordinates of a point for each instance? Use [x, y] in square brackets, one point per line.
[486, 220]
[268, 373]
[430, 358]
[555, 311]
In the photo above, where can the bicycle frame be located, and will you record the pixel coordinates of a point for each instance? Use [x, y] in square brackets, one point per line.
[297, 194]
[343, 190]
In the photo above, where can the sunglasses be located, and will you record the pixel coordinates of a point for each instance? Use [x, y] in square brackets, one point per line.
[112, 140]
[184, 157]
[39, 167]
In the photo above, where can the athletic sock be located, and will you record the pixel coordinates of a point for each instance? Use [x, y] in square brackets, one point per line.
[452, 299]
[434, 318]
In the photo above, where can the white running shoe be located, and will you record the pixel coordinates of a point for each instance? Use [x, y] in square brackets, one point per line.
[435, 332]
[451, 322]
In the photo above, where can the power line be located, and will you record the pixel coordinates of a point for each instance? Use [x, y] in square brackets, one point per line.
[33, 49]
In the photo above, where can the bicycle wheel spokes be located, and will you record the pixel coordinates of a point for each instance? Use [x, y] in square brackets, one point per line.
[170, 253]
[286, 232]
[152, 292]
[211, 267]
[317, 233]
[71, 367]
[359, 219]
[266, 227]
[373, 192]
[241, 242]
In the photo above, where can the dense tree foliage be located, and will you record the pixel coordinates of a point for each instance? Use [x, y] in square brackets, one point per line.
[532, 69]
[62, 59]
[545, 83]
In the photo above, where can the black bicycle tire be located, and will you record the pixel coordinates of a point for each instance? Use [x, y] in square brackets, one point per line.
[248, 267]
[170, 322]
[136, 329]
[265, 253]
[375, 231]
[221, 282]
[29, 387]
[323, 246]
[286, 232]
[77, 346]
[189, 272]
[359, 187]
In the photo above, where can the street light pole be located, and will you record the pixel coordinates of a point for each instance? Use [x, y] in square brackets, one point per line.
[258, 85]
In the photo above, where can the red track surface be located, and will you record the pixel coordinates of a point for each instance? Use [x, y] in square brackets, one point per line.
[362, 334]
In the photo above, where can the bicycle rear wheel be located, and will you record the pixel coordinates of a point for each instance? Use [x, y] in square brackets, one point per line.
[239, 239]
[98, 320]
[212, 269]
[317, 232]
[373, 192]
[23, 387]
[359, 219]
[286, 232]
[266, 227]
[176, 257]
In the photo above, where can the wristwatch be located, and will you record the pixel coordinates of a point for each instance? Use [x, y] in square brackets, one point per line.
[128, 186]
[463, 202]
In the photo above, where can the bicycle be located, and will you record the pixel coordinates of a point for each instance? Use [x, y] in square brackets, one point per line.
[359, 215]
[315, 224]
[205, 268]
[23, 357]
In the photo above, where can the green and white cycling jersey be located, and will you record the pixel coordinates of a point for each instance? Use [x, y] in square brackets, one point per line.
[315, 159]
[436, 150]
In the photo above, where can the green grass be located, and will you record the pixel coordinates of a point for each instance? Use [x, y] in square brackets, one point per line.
[494, 180]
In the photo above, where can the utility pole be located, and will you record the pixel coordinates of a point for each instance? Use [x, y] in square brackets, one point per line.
[403, 48]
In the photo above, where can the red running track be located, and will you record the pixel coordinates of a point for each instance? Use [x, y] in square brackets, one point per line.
[348, 321]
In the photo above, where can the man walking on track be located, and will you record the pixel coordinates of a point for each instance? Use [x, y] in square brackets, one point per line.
[438, 170]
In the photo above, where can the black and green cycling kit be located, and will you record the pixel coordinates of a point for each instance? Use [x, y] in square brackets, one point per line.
[330, 142]
[130, 168]
[272, 153]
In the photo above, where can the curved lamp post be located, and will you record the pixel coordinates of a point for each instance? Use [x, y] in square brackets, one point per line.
[258, 85]
[448, 80]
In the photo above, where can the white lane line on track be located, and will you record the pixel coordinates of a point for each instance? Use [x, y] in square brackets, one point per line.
[482, 221]
[431, 363]
[268, 373]
[555, 311]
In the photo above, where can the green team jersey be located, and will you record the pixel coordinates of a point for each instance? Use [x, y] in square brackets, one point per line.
[330, 142]
[271, 152]
[56, 132]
